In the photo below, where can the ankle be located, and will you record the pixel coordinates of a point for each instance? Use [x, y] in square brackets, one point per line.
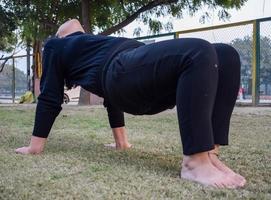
[215, 150]
[122, 145]
[194, 160]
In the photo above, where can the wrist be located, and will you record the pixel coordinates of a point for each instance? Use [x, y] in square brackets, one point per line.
[37, 144]
[121, 138]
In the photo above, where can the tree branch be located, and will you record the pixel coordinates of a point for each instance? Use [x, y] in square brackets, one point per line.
[132, 17]
[48, 23]
[5, 60]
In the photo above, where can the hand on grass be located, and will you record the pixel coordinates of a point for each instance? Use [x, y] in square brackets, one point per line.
[36, 146]
[118, 147]
[27, 150]
[121, 139]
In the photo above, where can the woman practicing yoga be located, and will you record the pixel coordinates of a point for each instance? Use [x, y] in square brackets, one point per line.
[200, 78]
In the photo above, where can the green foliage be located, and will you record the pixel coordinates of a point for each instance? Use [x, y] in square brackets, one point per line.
[7, 26]
[107, 14]
[38, 19]
[244, 47]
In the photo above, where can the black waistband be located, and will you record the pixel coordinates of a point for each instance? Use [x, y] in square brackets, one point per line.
[124, 45]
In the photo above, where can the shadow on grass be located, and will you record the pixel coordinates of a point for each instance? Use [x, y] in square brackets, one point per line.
[95, 151]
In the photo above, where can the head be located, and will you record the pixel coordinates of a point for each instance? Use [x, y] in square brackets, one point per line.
[69, 27]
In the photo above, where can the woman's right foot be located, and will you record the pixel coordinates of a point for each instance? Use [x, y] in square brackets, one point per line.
[199, 168]
[239, 180]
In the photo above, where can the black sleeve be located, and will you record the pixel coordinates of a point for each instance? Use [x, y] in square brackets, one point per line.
[115, 116]
[51, 96]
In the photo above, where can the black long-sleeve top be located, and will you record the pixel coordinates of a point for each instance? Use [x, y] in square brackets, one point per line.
[77, 59]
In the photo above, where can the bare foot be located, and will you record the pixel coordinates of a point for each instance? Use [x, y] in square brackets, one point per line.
[199, 168]
[27, 150]
[118, 147]
[239, 180]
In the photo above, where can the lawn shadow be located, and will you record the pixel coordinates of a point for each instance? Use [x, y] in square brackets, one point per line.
[94, 151]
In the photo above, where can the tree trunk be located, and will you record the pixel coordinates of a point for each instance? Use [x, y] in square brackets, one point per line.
[37, 66]
[86, 15]
[84, 98]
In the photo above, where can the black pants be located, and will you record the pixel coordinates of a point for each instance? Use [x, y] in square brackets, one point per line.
[200, 78]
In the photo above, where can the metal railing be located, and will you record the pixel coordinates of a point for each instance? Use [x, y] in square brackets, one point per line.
[14, 79]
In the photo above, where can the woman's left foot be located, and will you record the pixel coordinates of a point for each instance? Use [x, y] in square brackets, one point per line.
[240, 180]
[118, 147]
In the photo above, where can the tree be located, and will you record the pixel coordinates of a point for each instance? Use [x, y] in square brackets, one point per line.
[7, 26]
[84, 97]
[265, 65]
[244, 48]
[38, 19]
[6, 79]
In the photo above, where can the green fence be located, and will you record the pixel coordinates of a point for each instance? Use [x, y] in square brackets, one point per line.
[15, 78]
[252, 39]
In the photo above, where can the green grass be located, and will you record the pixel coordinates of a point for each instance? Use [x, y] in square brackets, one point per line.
[76, 165]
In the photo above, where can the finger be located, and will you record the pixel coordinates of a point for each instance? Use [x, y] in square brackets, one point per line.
[111, 145]
[22, 150]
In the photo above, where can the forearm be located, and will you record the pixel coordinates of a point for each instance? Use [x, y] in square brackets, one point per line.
[37, 144]
[46, 112]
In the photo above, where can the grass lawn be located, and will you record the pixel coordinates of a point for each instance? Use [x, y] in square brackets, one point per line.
[76, 165]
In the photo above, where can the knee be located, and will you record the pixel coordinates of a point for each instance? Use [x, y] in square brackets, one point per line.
[228, 54]
[225, 50]
[204, 51]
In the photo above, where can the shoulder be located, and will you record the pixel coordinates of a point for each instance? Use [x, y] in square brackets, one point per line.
[52, 43]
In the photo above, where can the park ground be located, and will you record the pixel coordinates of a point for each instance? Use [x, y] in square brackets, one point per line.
[76, 165]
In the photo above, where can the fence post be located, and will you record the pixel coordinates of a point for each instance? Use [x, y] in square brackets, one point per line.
[256, 63]
[176, 35]
[13, 80]
[28, 66]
